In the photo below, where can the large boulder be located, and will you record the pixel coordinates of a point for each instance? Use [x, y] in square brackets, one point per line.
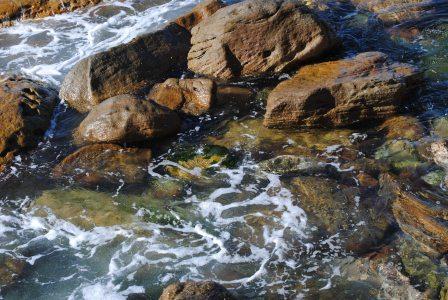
[198, 13]
[207, 290]
[105, 163]
[26, 108]
[191, 96]
[256, 37]
[12, 10]
[361, 89]
[127, 119]
[127, 68]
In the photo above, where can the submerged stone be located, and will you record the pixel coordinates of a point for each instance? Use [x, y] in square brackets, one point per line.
[10, 269]
[403, 127]
[207, 290]
[105, 163]
[289, 164]
[338, 209]
[89, 209]
[440, 127]
[401, 154]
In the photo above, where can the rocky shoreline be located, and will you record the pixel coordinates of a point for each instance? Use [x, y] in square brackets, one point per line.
[134, 97]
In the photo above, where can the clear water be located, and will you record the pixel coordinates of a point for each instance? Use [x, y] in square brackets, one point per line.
[243, 227]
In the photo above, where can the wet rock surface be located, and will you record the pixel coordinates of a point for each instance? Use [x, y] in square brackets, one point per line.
[196, 290]
[26, 109]
[127, 68]
[278, 35]
[366, 88]
[105, 163]
[127, 119]
[198, 13]
[190, 96]
[11, 10]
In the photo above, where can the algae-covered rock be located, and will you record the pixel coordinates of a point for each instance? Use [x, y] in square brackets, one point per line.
[403, 127]
[10, 269]
[338, 209]
[287, 164]
[426, 271]
[440, 127]
[401, 154]
[191, 162]
[88, 209]
[251, 135]
[435, 178]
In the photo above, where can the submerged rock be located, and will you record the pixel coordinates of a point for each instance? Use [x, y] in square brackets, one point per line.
[127, 119]
[127, 68]
[440, 156]
[440, 127]
[25, 9]
[256, 37]
[362, 89]
[200, 12]
[10, 269]
[401, 154]
[290, 164]
[397, 11]
[241, 96]
[191, 96]
[207, 290]
[105, 163]
[26, 108]
[420, 214]
[338, 209]
[403, 127]
[88, 209]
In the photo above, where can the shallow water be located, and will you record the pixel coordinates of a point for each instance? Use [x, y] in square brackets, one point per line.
[238, 225]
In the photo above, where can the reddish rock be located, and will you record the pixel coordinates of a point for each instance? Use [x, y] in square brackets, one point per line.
[207, 290]
[340, 93]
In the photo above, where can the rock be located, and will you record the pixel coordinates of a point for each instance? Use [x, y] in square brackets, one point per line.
[26, 109]
[440, 127]
[191, 96]
[338, 209]
[241, 96]
[397, 11]
[10, 269]
[440, 156]
[207, 290]
[88, 209]
[403, 127]
[127, 119]
[400, 154]
[201, 11]
[362, 89]
[191, 163]
[137, 296]
[25, 9]
[289, 164]
[127, 68]
[425, 271]
[423, 218]
[257, 37]
[435, 178]
[105, 163]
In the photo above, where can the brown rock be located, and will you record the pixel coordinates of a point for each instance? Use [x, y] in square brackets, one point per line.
[256, 37]
[336, 209]
[207, 290]
[104, 163]
[403, 127]
[200, 12]
[15, 9]
[340, 93]
[419, 215]
[191, 96]
[127, 68]
[127, 119]
[26, 108]
[10, 269]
